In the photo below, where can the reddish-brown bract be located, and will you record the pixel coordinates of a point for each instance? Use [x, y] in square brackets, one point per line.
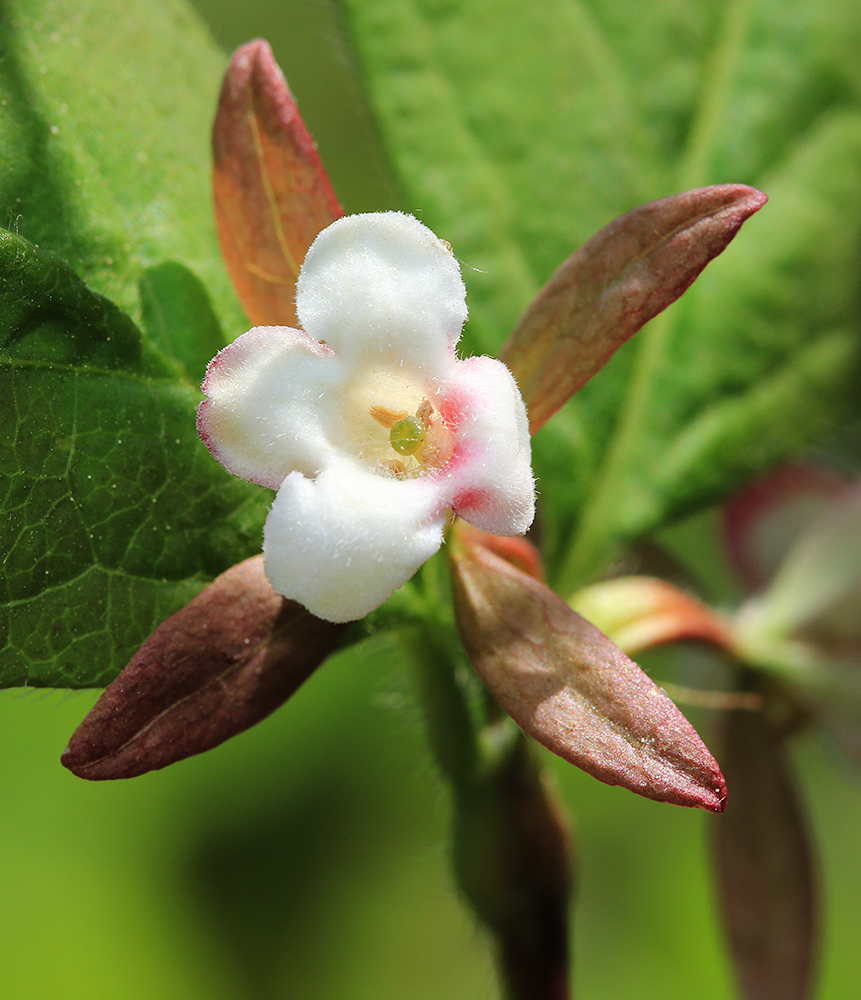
[570, 688]
[272, 195]
[613, 285]
[221, 664]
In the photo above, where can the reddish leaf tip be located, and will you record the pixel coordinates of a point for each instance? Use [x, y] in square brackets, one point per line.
[626, 274]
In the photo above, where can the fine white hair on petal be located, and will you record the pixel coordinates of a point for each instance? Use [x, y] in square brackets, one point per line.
[312, 414]
[341, 544]
[382, 284]
[490, 482]
[268, 396]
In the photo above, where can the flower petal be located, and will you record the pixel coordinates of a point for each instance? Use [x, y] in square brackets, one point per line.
[263, 417]
[341, 544]
[382, 284]
[489, 481]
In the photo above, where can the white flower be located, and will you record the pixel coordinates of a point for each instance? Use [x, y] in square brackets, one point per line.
[366, 422]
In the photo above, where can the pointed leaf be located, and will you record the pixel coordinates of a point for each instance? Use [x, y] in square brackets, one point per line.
[272, 195]
[221, 664]
[764, 865]
[614, 284]
[569, 687]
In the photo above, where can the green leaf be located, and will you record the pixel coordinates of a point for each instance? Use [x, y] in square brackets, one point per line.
[113, 512]
[178, 317]
[105, 144]
[521, 130]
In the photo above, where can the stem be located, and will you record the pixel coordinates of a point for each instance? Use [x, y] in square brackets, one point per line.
[513, 863]
[511, 853]
[450, 726]
[713, 97]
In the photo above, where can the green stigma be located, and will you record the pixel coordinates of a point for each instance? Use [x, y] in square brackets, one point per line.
[406, 436]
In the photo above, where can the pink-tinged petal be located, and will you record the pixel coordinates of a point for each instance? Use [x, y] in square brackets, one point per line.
[818, 585]
[489, 481]
[342, 544]
[571, 688]
[221, 664]
[272, 195]
[762, 523]
[264, 417]
[382, 287]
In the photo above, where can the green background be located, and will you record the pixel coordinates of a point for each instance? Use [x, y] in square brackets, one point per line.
[308, 858]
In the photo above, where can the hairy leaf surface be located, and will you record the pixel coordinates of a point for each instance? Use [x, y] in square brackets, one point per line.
[112, 513]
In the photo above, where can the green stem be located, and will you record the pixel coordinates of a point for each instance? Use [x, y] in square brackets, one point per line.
[717, 82]
[510, 844]
[450, 726]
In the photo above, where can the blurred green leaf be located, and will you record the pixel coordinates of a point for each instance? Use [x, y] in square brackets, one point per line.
[113, 512]
[520, 131]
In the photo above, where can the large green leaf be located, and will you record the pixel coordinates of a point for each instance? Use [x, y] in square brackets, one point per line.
[112, 513]
[105, 145]
[519, 130]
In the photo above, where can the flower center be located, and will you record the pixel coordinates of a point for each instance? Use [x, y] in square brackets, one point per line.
[406, 435]
[391, 424]
[424, 438]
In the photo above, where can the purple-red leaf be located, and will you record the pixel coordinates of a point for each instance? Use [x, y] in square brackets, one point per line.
[615, 283]
[569, 687]
[764, 865]
[221, 664]
[272, 195]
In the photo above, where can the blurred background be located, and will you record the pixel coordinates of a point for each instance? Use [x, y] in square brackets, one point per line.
[307, 858]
